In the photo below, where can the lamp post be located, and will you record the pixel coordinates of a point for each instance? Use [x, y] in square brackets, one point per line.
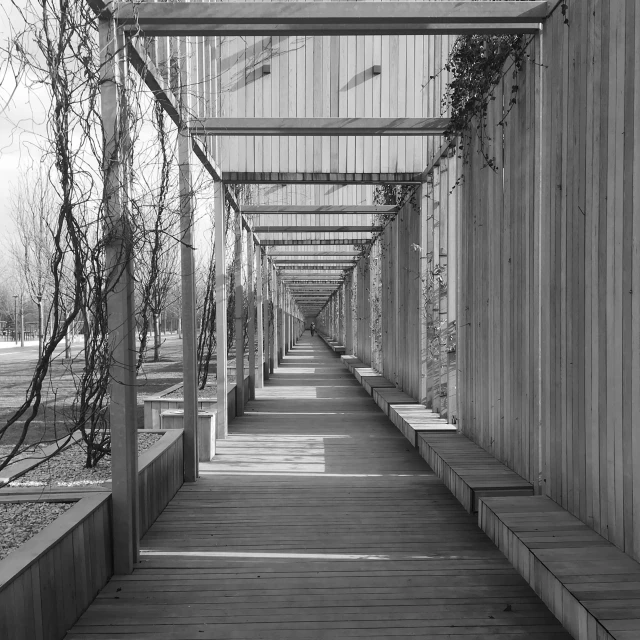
[15, 317]
[22, 320]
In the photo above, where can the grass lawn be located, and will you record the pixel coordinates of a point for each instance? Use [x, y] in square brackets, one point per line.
[16, 368]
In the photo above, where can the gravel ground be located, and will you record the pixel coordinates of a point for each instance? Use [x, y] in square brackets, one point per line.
[67, 469]
[20, 521]
[6, 449]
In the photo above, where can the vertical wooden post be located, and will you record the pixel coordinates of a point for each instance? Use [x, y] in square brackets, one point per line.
[292, 337]
[260, 319]
[251, 313]
[367, 310]
[187, 269]
[341, 315]
[274, 302]
[281, 316]
[285, 330]
[265, 317]
[348, 328]
[120, 306]
[222, 422]
[239, 317]
[424, 269]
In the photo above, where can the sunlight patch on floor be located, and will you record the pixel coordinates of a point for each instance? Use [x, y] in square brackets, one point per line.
[268, 555]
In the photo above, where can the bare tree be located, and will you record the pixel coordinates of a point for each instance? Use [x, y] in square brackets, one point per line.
[33, 208]
[157, 258]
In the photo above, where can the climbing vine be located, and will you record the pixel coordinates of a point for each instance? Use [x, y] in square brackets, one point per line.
[476, 65]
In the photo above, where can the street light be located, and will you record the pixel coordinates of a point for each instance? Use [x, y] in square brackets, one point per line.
[15, 317]
[22, 320]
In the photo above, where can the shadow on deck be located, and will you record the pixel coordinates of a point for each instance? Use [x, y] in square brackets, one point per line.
[317, 520]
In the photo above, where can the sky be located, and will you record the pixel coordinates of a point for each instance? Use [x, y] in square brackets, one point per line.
[21, 124]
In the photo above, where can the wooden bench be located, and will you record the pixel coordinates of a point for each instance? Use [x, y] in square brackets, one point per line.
[468, 471]
[385, 396]
[413, 419]
[334, 345]
[591, 586]
[351, 362]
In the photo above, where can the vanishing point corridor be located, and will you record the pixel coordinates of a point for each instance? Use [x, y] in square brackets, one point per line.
[317, 520]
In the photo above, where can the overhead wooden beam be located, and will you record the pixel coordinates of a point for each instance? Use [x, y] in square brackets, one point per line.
[315, 241]
[315, 254]
[330, 18]
[281, 263]
[310, 268]
[315, 229]
[274, 177]
[335, 29]
[265, 209]
[319, 126]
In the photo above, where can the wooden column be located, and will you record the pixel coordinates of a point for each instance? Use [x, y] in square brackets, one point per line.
[251, 313]
[120, 306]
[424, 271]
[292, 335]
[260, 291]
[273, 364]
[222, 422]
[239, 317]
[284, 348]
[287, 318]
[366, 300]
[348, 317]
[341, 316]
[187, 269]
[266, 318]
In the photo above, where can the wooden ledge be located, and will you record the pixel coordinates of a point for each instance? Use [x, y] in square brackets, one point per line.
[587, 583]
[351, 362]
[468, 471]
[384, 397]
[410, 417]
[336, 347]
[413, 419]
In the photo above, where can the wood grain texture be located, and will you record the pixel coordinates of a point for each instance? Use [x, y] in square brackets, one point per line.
[549, 313]
[589, 584]
[316, 519]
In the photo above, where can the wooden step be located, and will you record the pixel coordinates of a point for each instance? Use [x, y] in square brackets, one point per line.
[591, 586]
[469, 471]
[413, 419]
[387, 396]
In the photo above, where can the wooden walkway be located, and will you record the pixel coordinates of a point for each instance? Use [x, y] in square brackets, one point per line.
[317, 520]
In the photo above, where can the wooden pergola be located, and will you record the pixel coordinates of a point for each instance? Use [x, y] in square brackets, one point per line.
[308, 248]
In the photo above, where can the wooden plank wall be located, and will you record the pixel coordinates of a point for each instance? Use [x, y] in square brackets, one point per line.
[331, 76]
[314, 76]
[47, 585]
[400, 288]
[438, 275]
[550, 280]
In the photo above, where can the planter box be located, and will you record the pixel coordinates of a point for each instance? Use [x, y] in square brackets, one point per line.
[47, 584]
[174, 419]
[156, 405]
[160, 475]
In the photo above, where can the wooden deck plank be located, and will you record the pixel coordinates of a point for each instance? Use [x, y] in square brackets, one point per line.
[317, 519]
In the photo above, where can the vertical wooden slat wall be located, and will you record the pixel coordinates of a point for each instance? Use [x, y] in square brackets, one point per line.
[549, 352]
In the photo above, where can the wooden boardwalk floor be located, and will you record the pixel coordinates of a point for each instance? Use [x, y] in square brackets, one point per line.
[317, 520]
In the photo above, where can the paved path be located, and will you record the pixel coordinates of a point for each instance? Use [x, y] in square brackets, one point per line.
[317, 520]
